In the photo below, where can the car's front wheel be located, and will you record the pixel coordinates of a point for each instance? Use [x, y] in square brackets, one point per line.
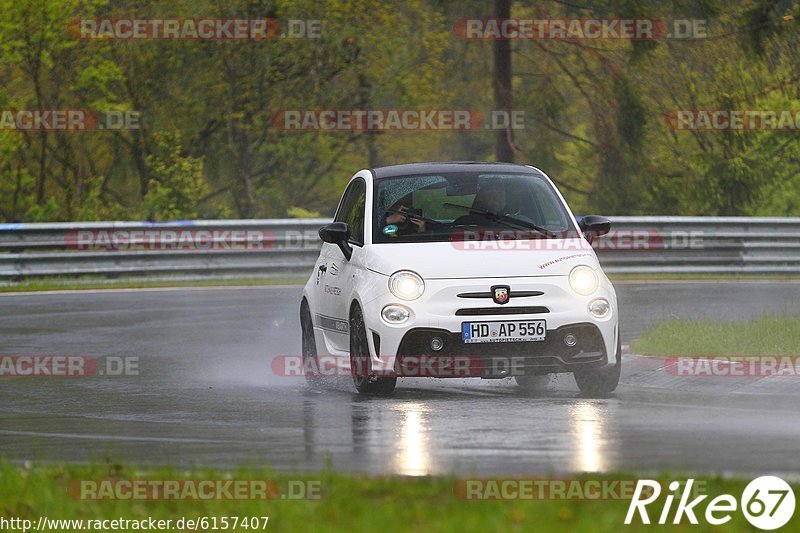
[600, 381]
[359, 359]
[309, 346]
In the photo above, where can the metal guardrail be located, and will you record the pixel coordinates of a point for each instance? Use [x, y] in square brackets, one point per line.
[716, 245]
[218, 248]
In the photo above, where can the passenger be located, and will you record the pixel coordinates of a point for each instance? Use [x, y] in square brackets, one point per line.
[491, 197]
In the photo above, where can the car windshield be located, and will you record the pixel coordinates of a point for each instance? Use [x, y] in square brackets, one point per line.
[459, 206]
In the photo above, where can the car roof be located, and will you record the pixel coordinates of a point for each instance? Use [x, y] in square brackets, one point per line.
[411, 169]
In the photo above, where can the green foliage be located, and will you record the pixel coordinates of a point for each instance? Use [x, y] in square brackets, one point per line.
[299, 212]
[207, 147]
[48, 212]
[94, 208]
[176, 183]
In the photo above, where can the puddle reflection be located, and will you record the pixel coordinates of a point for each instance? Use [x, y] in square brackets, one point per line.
[414, 457]
[587, 424]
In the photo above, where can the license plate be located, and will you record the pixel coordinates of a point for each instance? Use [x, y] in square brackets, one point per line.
[503, 331]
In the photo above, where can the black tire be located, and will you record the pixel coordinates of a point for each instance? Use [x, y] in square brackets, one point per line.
[600, 382]
[533, 384]
[364, 382]
[310, 362]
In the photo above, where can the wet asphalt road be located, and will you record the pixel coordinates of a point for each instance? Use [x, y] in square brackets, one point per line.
[206, 395]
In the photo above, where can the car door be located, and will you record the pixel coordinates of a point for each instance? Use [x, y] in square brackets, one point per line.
[339, 275]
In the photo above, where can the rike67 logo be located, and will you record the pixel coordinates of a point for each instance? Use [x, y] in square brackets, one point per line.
[767, 503]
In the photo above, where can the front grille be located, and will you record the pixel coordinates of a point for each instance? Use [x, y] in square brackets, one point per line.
[511, 294]
[484, 311]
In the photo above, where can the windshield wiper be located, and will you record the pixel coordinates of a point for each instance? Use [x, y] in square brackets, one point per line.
[508, 220]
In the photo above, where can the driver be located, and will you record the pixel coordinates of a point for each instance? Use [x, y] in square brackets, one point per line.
[405, 225]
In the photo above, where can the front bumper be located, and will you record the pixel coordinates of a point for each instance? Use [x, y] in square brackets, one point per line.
[499, 360]
[440, 312]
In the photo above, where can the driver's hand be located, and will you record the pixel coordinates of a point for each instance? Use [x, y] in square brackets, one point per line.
[397, 218]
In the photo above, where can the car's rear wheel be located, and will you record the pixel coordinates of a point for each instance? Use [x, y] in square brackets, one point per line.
[600, 381]
[364, 382]
[310, 362]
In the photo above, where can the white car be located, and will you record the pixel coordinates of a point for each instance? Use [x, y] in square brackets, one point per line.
[459, 269]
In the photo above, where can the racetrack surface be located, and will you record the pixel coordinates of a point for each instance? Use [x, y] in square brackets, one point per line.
[205, 394]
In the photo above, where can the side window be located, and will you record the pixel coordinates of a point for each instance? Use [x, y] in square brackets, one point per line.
[352, 210]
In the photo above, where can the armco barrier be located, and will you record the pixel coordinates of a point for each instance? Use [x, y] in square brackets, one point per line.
[214, 248]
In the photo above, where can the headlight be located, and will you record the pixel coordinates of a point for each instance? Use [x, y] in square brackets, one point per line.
[406, 285]
[599, 308]
[395, 314]
[583, 280]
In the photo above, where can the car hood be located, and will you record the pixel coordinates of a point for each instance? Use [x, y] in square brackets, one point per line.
[443, 260]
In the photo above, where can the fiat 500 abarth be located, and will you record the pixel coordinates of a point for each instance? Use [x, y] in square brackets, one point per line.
[459, 270]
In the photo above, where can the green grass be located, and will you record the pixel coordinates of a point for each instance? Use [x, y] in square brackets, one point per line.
[767, 335]
[94, 283]
[348, 503]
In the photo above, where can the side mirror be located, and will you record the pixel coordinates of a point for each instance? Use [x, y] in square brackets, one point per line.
[337, 233]
[593, 226]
